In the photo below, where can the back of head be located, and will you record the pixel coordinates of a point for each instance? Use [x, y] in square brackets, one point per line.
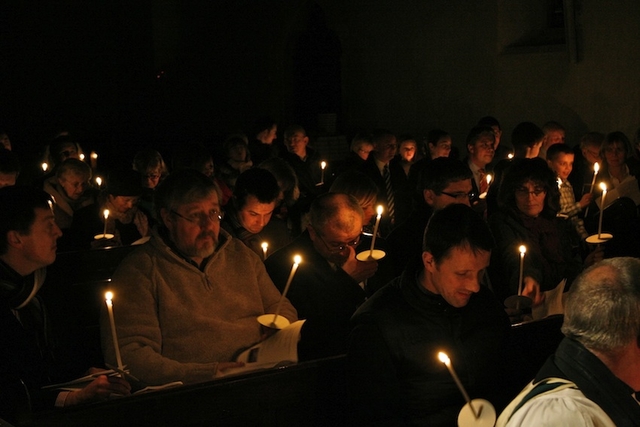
[356, 184]
[525, 135]
[440, 172]
[555, 149]
[182, 187]
[149, 160]
[602, 310]
[259, 183]
[533, 170]
[60, 146]
[74, 166]
[341, 210]
[456, 225]
[17, 210]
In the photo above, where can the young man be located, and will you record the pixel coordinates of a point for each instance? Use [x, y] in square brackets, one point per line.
[28, 235]
[189, 298]
[560, 160]
[395, 377]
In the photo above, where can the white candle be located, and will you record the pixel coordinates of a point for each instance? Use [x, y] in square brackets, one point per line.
[322, 166]
[510, 156]
[523, 250]
[603, 186]
[94, 160]
[559, 181]
[375, 230]
[445, 359]
[296, 262]
[108, 297]
[596, 168]
[45, 166]
[81, 156]
[106, 215]
[265, 246]
[99, 181]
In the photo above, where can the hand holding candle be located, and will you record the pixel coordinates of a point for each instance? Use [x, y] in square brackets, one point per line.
[109, 297]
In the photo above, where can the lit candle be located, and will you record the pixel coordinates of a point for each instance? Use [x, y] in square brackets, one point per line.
[109, 297]
[375, 230]
[81, 156]
[45, 166]
[559, 182]
[106, 215]
[94, 160]
[510, 156]
[322, 166]
[296, 262]
[603, 186]
[445, 359]
[265, 246]
[523, 250]
[99, 181]
[489, 178]
[596, 168]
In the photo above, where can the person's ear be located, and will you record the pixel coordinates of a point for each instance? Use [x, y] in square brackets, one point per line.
[428, 261]
[165, 215]
[14, 238]
[429, 196]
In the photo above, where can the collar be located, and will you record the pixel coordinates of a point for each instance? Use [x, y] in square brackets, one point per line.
[380, 165]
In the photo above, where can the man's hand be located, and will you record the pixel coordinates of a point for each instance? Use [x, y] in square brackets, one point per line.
[224, 366]
[585, 200]
[594, 256]
[359, 270]
[99, 389]
[532, 290]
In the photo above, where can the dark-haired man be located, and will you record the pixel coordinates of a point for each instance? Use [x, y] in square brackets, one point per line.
[437, 305]
[28, 235]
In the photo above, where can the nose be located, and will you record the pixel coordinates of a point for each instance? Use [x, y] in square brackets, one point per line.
[57, 232]
[474, 284]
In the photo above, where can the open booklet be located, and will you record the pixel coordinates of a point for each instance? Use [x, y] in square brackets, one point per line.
[137, 386]
[280, 349]
[553, 302]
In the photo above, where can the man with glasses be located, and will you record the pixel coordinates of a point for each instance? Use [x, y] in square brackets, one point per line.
[444, 182]
[327, 287]
[187, 300]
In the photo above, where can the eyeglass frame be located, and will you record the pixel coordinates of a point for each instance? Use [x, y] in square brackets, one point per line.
[459, 196]
[342, 247]
[524, 192]
[213, 216]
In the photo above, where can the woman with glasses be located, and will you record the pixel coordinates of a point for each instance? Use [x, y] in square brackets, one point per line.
[528, 203]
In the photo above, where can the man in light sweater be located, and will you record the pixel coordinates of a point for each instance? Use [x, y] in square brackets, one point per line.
[186, 302]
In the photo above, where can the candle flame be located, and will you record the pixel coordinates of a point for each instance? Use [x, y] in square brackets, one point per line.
[603, 186]
[297, 259]
[50, 204]
[379, 210]
[596, 167]
[264, 245]
[108, 296]
[522, 249]
[45, 166]
[323, 165]
[94, 155]
[98, 181]
[559, 182]
[510, 156]
[81, 156]
[489, 178]
[106, 213]
[444, 358]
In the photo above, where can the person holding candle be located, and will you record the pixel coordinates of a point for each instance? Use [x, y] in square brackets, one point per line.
[437, 304]
[188, 300]
[528, 202]
[594, 376]
[252, 204]
[29, 357]
[328, 286]
[620, 167]
[587, 154]
[481, 149]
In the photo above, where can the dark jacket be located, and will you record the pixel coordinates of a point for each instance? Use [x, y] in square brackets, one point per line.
[395, 377]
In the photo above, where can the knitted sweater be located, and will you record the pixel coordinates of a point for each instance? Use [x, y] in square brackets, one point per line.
[175, 322]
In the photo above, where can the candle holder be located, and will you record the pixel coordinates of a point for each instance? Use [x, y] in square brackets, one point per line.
[373, 254]
[486, 416]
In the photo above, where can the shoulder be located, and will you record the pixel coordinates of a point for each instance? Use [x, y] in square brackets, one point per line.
[381, 305]
[567, 407]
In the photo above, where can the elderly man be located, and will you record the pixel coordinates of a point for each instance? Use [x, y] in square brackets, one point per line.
[187, 301]
[594, 375]
[327, 287]
[395, 377]
[28, 235]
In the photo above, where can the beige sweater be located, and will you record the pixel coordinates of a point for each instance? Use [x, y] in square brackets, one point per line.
[175, 322]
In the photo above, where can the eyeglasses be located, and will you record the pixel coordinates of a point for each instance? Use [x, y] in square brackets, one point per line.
[201, 218]
[152, 176]
[524, 192]
[341, 248]
[460, 196]
[486, 145]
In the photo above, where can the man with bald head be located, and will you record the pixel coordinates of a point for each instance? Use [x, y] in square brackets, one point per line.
[327, 287]
[594, 376]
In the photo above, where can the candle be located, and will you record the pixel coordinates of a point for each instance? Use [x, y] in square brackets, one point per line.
[106, 215]
[99, 181]
[445, 359]
[322, 166]
[510, 156]
[296, 262]
[489, 178]
[596, 168]
[108, 297]
[265, 246]
[375, 230]
[45, 166]
[523, 250]
[559, 182]
[603, 186]
[94, 160]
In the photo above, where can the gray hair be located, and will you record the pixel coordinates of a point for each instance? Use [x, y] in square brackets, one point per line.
[603, 307]
[183, 187]
[329, 208]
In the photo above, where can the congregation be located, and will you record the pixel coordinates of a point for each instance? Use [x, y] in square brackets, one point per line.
[216, 238]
